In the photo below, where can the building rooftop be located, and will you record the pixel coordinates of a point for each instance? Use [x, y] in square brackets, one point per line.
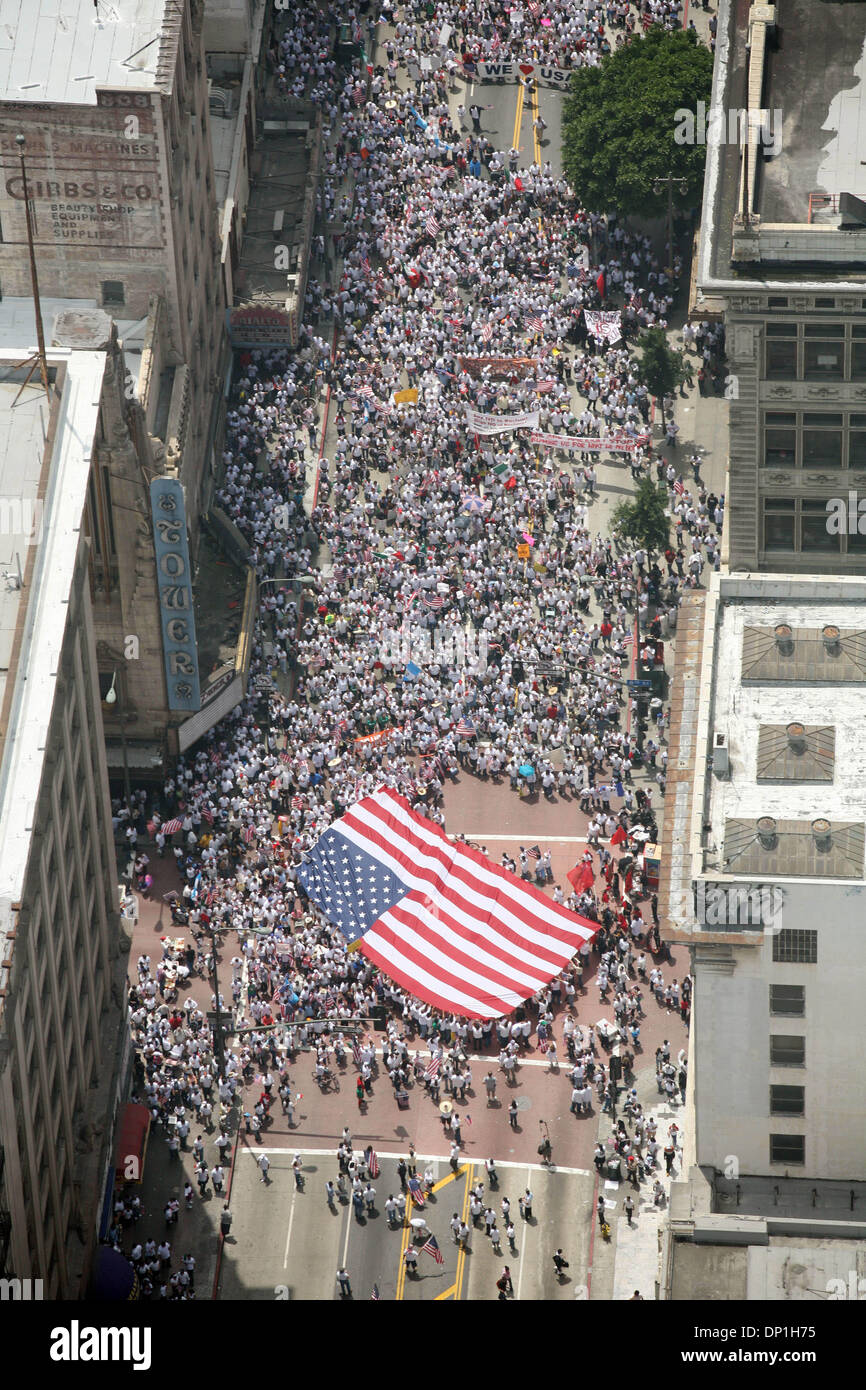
[63, 50]
[803, 64]
[747, 700]
[43, 453]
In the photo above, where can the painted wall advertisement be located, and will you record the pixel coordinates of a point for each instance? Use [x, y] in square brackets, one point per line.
[92, 175]
[262, 325]
[174, 580]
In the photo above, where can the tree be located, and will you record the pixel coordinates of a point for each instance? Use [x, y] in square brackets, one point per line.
[633, 120]
[642, 519]
[663, 369]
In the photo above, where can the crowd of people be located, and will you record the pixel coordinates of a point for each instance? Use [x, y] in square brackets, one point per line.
[407, 532]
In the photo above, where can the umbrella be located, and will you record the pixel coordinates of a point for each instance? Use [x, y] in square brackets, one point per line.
[473, 504]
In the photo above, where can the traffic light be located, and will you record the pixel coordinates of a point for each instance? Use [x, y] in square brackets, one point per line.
[377, 1013]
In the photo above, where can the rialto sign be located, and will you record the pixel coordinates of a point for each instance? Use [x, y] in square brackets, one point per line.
[545, 75]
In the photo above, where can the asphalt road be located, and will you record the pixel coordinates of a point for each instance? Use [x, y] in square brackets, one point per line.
[293, 1243]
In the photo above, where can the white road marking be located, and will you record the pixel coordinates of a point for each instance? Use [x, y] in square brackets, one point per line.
[348, 1233]
[428, 1158]
[548, 839]
[526, 1229]
[289, 1232]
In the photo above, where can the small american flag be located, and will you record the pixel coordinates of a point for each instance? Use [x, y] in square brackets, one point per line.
[434, 601]
[495, 43]
[534, 853]
[534, 8]
[208, 815]
[248, 834]
[415, 1192]
[170, 826]
[365, 265]
[374, 1296]
[487, 332]
[374, 1164]
[432, 1068]
[432, 1248]
[432, 225]
[535, 324]
[543, 1045]
[636, 302]
[356, 1054]
[679, 487]
[466, 729]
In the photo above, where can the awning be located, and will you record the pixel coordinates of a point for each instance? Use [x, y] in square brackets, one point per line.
[132, 1144]
[143, 755]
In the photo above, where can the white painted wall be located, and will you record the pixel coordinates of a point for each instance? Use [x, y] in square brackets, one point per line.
[732, 1027]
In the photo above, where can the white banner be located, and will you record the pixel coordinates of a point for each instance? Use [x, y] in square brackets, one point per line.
[543, 74]
[604, 323]
[479, 423]
[590, 443]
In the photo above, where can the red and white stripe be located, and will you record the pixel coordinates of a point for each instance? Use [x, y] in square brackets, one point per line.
[469, 936]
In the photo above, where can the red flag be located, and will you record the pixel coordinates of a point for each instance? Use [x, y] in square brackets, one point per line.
[600, 283]
[518, 183]
[581, 877]
[618, 836]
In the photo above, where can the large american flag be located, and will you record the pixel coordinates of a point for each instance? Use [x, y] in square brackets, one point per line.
[170, 826]
[432, 225]
[487, 332]
[535, 324]
[440, 919]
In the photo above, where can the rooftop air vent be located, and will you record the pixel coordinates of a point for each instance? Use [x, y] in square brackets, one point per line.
[822, 835]
[784, 639]
[766, 828]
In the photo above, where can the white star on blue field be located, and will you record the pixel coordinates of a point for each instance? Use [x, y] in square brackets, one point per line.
[350, 886]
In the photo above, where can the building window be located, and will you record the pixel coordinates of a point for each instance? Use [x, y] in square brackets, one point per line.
[787, 1050]
[780, 438]
[814, 535]
[824, 352]
[777, 301]
[787, 1148]
[822, 440]
[112, 293]
[796, 947]
[787, 1100]
[788, 999]
[825, 302]
[781, 356]
[779, 523]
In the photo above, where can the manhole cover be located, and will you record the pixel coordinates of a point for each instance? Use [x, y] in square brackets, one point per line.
[524, 1103]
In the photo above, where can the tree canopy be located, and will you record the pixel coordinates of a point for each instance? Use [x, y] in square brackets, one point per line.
[663, 369]
[620, 124]
[642, 518]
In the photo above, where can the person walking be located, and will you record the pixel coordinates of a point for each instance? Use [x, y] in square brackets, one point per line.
[526, 1205]
[225, 1221]
[512, 1114]
[344, 1282]
[331, 1195]
[264, 1164]
[297, 1169]
[561, 1264]
[504, 1284]
[510, 1235]
[490, 1087]
[628, 1208]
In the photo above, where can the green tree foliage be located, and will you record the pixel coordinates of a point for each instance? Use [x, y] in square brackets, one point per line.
[619, 124]
[663, 369]
[642, 518]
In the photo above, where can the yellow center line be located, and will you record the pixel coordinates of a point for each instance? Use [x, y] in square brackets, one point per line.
[515, 144]
[404, 1245]
[461, 1257]
[535, 136]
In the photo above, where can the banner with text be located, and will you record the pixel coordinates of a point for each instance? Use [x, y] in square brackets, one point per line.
[542, 73]
[590, 443]
[605, 325]
[480, 423]
[497, 366]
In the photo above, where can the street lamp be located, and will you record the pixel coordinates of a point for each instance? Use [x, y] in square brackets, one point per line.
[658, 184]
[111, 699]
